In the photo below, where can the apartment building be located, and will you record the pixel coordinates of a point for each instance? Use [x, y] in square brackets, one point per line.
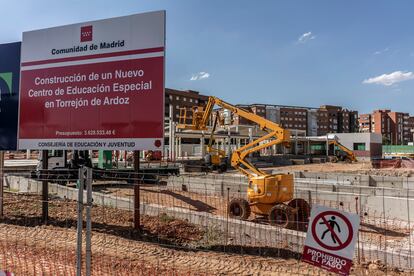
[179, 99]
[335, 119]
[395, 127]
[365, 123]
[309, 120]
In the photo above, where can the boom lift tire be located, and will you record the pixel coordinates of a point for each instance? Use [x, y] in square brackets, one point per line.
[302, 214]
[282, 215]
[239, 208]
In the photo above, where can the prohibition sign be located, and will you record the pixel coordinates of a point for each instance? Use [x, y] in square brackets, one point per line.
[341, 244]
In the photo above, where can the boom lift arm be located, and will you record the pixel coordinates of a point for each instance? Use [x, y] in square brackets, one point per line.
[349, 153]
[268, 195]
[239, 157]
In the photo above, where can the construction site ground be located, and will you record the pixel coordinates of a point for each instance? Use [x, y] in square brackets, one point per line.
[344, 167]
[373, 230]
[164, 246]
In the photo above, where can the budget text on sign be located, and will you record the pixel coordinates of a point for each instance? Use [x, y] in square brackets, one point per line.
[94, 85]
[330, 240]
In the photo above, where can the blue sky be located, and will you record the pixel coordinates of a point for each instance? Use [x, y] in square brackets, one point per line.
[359, 54]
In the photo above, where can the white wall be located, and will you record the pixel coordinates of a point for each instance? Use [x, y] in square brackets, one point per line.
[348, 139]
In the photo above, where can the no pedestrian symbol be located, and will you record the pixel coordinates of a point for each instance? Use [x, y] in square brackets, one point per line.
[331, 238]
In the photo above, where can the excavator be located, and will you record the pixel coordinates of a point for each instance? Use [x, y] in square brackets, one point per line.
[343, 154]
[268, 195]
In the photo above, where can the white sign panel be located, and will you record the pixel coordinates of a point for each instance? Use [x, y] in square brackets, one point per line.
[94, 85]
[330, 240]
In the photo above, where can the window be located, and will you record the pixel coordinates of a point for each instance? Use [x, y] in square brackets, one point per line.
[177, 98]
[177, 107]
[191, 100]
[185, 99]
[196, 101]
[171, 97]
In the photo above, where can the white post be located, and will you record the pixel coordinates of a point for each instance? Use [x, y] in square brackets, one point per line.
[180, 153]
[172, 146]
[202, 150]
[228, 142]
[170, 133]
[296, 142]
[327, 146]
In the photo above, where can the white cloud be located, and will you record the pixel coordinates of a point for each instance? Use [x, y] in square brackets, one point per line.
[306, 37]
[200, 76]
[390, 79]
[381, 51]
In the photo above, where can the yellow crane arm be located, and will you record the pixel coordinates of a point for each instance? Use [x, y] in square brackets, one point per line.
[350, 154]
[276, 134]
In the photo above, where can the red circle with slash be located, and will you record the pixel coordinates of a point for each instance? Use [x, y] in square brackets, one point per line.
[341, 244]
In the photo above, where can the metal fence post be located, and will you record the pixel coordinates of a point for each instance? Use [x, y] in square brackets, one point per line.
[45, 186]
[80, 185]
[137, 203]
[88, 221]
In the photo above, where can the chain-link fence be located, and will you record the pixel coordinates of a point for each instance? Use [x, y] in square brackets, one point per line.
[184, 226]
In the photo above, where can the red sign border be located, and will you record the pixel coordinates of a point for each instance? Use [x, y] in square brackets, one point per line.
[347, 222]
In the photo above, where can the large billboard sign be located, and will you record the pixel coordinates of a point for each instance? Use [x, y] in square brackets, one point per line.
[94, 85]
[9, 94]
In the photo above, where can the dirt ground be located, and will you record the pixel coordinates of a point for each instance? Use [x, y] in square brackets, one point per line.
[343, 167]
[373, 230]
[164, 246]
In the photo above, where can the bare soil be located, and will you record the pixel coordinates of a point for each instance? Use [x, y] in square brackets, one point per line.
[373, 230]
[164, 246]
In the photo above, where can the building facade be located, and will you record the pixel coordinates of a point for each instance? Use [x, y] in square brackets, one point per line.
[307, 120]
[179, 99]
[310, 120]
[395, 127]
[365, 123]
[335, 119]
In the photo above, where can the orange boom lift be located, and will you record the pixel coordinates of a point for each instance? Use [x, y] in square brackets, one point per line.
[269, 195]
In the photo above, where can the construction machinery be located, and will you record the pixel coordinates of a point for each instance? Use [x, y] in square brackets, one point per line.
[63, 167]
[153, 155]
[215, 159]
[269, 195]
[341, 152]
